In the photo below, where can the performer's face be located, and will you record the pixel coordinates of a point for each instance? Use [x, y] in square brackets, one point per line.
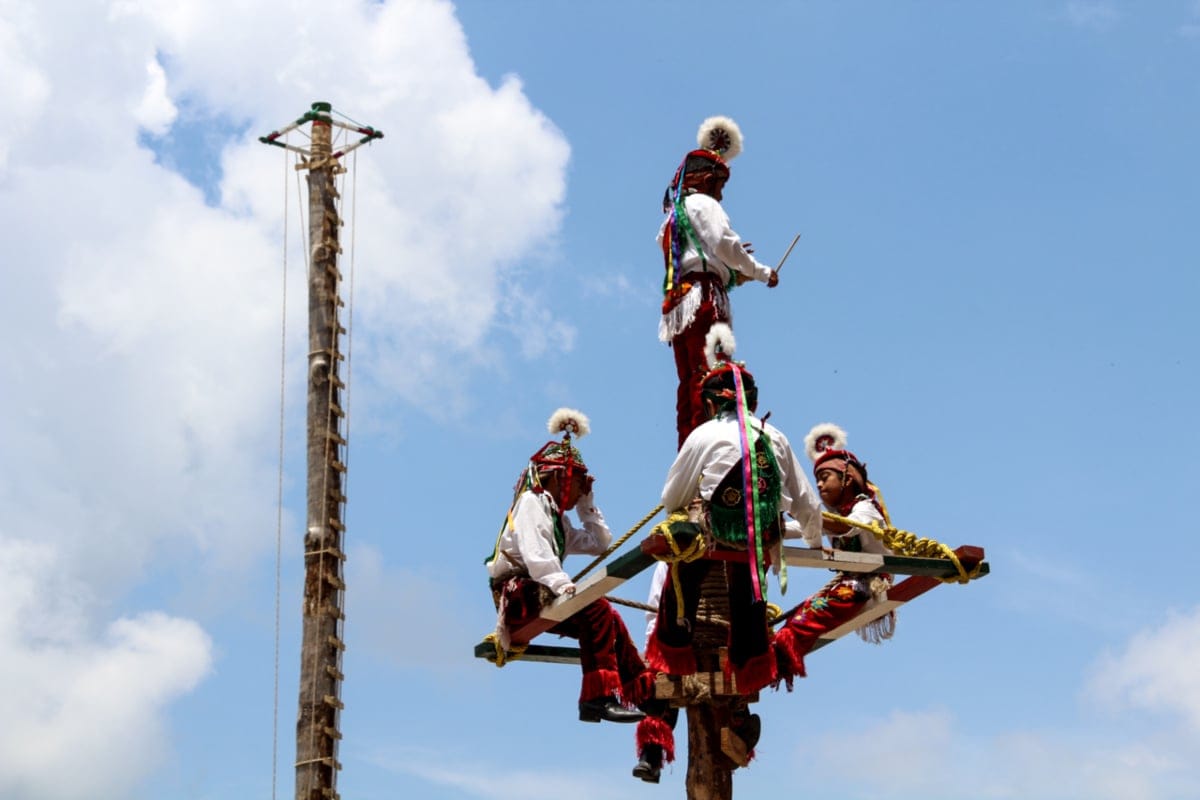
[831, 484]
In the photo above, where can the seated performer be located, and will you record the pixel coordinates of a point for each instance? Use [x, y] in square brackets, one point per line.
[704, 258]
[526, 569]
[845, 490]
[730, 482]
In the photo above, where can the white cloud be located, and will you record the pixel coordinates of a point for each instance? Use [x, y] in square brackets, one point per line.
[144, 325]
[155, 112]
[24, 90]
[84, 714]
[1156, 671]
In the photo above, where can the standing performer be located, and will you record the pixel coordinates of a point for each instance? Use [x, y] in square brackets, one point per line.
[526, 569]
[731, 481]
[842, 482]
[704, 258]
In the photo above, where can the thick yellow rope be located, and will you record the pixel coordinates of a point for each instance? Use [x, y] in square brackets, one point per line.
[692, 552]
[907, 543]
[502, 657]
[617, 544]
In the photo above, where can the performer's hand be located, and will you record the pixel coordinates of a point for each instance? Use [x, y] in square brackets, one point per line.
[827, 552]
[749, 248]
[587, 485]
[567, 589]
[773, 281]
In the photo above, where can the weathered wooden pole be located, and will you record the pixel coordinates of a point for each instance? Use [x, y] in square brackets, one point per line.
[709, 773]
[317, 731]
[321, 645]
[710, 770]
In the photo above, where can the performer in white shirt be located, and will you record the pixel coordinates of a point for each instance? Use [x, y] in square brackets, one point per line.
[730, 484]
[526, 570]
[703, 258]
[845, 490]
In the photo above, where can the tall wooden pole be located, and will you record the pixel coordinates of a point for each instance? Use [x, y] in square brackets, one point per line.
[709, 773]
[317, 731]
[321, 647]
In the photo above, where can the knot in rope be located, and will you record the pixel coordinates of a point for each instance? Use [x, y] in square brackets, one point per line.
[502, 657]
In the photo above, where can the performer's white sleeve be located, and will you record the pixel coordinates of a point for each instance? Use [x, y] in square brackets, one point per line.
[720, 240]
[655, 597]
[533, 531]
[595, 536]
[800, 499]
[683, 478]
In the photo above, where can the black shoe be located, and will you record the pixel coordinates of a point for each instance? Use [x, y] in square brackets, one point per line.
[607, 708]
[649, 766]
[647, 771]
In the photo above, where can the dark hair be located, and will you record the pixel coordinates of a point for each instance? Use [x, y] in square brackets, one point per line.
[698, 165]
[720, 389]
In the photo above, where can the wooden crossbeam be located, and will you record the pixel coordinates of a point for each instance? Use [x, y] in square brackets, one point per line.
[924, 574]
[873, 562]
[597, 585]
[902, 592]
[550, 654]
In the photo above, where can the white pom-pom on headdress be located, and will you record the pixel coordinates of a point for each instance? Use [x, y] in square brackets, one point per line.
[825, 436]
[719, 342]
[569, 421]
[721, 135]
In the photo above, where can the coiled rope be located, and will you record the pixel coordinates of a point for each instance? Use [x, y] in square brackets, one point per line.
[907, 543]
[514, 652]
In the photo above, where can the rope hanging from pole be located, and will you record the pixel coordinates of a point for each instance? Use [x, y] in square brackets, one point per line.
[279, 486]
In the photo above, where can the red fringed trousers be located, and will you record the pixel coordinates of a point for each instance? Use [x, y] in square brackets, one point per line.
[834, 604]
[606, 653]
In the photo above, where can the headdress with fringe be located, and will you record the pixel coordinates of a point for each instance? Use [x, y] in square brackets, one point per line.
[560, 454]
[826, 446]
[719, 141]
[554, 455]
[718, 384]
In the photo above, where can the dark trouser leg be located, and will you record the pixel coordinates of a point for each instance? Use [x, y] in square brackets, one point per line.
[670, 649]
[750, 654]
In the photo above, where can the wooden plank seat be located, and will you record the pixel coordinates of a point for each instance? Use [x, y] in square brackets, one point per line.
[923, 574]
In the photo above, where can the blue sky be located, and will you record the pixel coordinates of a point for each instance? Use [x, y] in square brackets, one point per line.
[994, 294]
